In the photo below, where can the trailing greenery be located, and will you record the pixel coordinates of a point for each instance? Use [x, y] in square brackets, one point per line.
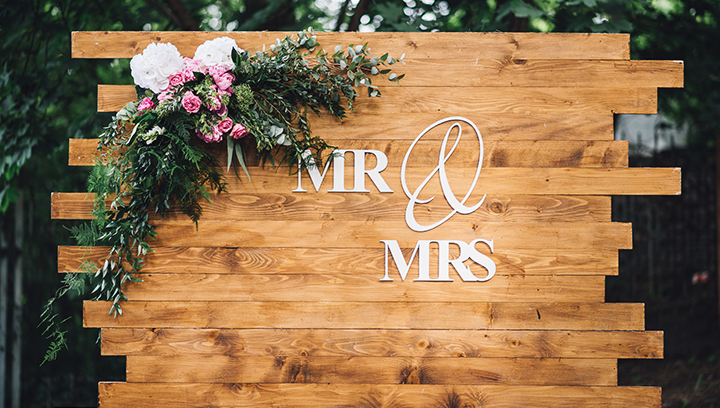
[153, 159]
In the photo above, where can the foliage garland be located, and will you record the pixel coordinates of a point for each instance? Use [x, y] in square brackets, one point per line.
[150, 161]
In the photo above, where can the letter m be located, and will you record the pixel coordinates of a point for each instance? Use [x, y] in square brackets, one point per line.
[403, 267]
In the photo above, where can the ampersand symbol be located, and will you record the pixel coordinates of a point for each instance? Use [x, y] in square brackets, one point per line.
[458, 206]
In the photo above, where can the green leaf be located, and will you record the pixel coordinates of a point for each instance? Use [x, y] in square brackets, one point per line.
[230, 151]
[240, 154]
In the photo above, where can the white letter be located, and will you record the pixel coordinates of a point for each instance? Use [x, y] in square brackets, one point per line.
[399, 258]
[374, 174]
[317, 178]
[482, 259]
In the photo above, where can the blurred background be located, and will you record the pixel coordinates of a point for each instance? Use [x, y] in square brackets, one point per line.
[46, 98]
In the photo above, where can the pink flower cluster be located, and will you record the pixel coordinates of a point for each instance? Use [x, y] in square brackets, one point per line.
[210, 128]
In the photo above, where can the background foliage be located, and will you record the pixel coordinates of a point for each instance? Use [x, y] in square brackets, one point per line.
[46, 97]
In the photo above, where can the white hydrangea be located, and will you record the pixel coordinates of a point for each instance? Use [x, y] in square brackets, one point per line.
[217, 52]
[153, 68]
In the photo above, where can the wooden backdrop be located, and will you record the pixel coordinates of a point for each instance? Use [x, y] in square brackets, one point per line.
[276, 300]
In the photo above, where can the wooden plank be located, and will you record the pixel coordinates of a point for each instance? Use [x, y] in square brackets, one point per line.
[323, 207]
[353, 234]
[540, 73]
[371, 370]
[369, 315]
[340, 286]
[449, 46]
[382, 343]
[545, 153]
[418, 101]
[498, 180]
[492, 181]
[543, 73]
[496, 127]
[350, 395]
[349, 260]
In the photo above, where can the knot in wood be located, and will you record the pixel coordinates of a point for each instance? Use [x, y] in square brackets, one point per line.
[497, 207]
[423, 344]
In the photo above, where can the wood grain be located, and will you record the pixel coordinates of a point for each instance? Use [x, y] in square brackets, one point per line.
[340, 286]
[374, 396]
[450, 46]
[382, 343]
[517, 73]
[354, 234]
[369, 315]
[349, 260]
[371, 370]
[493, 127]
[542, 73]
[370, 206]
[418, 101]
[83, 152]
[498, 180]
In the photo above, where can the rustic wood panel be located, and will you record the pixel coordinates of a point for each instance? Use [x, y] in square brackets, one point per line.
[425, 153]
[330, 260]
[448, 46]
[370, 315]
[371, 206]
[382, 343]
[366, 396]
[353, 234]
[417, 101]
[240, 301]
[340, 286]
[498, 180]
[371, 370]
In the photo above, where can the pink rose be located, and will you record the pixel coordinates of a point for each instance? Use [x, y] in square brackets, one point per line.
[225, 125]
[188, 75]
[224, 81]
[222, 111]
[145, 104]
[214, 103]
[238, 131]
[165, 95]
[216, 134]
[195, 65]
[209, 137]
[177, 79]
[190, 102]
[215, 70]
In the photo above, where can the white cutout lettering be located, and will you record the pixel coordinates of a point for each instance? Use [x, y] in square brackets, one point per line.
[338, 163]
[422, 250]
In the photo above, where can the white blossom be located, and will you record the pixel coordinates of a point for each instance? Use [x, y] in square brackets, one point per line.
[217, 52]
[153, 68]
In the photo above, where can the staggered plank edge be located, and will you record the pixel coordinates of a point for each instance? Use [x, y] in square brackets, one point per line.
[368, 395]
[382, 343]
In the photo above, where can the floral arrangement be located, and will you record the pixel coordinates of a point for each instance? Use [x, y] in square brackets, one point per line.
[153, 156]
